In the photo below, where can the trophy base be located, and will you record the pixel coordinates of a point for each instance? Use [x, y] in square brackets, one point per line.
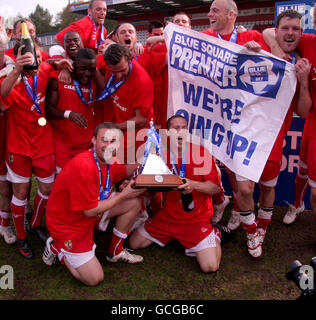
[158, 182]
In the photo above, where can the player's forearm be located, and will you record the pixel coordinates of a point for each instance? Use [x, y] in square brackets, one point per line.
[9, 82]
[304, 103]
[206, 187]
[269, 37]
[104, 205]
[1, 59]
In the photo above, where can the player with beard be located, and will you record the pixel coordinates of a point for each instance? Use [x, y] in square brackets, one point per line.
[81, 197]
[222, 17]
[307, 171]
[17, 32]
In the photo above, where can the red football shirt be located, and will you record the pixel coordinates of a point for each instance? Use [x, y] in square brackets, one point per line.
[66, 130]
[76, 189]
[85, 28]
[242, 37]
[26, 136]
[10, 53]
[2, 142]
[200, 167]
[136, 92]
[307, 47]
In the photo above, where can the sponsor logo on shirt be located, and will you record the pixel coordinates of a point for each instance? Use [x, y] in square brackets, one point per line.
[40, 100]
[314, 74]
[115, 101]
[70, 87]
[68, 244]
[11, 158]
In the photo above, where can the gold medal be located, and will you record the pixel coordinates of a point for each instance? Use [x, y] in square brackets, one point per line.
[42, 121]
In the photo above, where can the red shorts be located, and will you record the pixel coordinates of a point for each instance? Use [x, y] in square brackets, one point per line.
[270, 174]
[3, 168]
[20, 168]
[311, 161]
[63, 152]
[189, 235]
[303, 152]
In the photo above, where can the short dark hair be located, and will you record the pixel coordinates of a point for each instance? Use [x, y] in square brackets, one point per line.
[115, 30]
[115, 52]
[181, 13]
[104, 125]
[175, 117]
[70, 32]
[154, 24]
[85, 53]
[292, 14]
[92, 2]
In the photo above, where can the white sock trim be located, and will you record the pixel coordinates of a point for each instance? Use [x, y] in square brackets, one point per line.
[119, 234]
[41, 195]
[18, 202]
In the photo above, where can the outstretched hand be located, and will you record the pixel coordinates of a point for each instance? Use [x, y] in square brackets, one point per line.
[4, 39]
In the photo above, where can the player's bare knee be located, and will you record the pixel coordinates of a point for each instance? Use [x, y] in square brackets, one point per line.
[209, 267]
[137, 241]
[94, 280]
[134, 205]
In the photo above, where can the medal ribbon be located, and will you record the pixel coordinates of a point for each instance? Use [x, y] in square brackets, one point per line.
[32, 94]
[110, 88]
[233, 37]
[183, 166]
[94, 34]
[104, 192]
[80, 93]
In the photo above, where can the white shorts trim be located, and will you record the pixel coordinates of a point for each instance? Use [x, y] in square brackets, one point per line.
[271, 183]
[240, 178]
[104, 222]
[141, 229]
[15, 178]
[49, 179]
[58, 169]
[3, 177]
[76, 260]
[302, 164]
[312, 183]
[208, 242]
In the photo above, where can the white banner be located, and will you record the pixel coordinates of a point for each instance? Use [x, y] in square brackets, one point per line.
[235, 100]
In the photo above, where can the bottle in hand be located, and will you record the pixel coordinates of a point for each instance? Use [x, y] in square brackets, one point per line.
[187, 200]
[27, 41]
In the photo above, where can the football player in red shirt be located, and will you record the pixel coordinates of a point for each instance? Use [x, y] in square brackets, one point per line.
[90, 28]
[306, 172]
[71, 109]
[81, 197]
[29, 146]
[6, 231]
[191, 226]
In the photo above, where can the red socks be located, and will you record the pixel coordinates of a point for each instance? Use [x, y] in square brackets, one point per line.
[40, 202]
[18, 214]
[301, 185]
[117, 241]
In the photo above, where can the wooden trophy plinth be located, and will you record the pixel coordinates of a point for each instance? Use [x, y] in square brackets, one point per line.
[158, 182]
